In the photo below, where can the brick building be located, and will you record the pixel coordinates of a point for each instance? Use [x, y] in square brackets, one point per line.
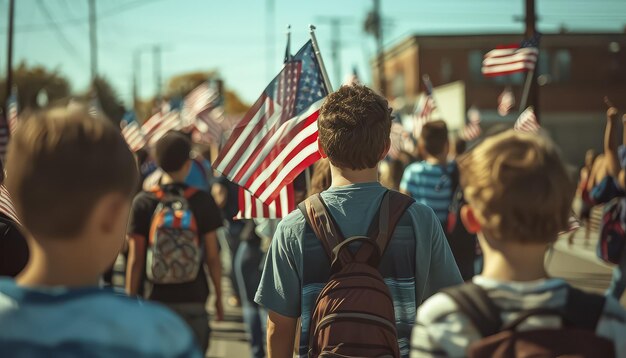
[575, 71]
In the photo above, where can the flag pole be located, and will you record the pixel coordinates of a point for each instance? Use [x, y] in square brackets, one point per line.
[288, 47]
[529, 80]
[320, 61]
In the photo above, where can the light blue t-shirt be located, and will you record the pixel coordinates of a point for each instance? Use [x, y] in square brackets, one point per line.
[417, 263]
[430, 185]
[87, 322]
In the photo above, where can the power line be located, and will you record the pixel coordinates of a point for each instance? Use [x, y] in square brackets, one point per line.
[80, 20]
[62, 39]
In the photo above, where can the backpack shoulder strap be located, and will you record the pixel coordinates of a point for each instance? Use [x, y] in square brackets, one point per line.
[392, 208]
[474, 302]
[189, 192]
[583, 310]
[322, 223]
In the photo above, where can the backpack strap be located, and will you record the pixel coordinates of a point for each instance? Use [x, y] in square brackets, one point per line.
[189, 192]
[392, 207]
[474, 302]
[583, 310]
[324, 226]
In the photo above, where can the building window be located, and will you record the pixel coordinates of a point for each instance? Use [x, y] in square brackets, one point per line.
[475, 62]
[446, 70]
[561, 67]
[397, 85]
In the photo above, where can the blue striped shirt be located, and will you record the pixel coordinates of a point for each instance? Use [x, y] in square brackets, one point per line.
[417, 263]
[87, 322]
[430, 185]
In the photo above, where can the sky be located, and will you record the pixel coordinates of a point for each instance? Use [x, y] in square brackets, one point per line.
[232, 36]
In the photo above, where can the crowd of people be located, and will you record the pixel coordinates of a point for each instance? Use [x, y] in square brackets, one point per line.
[437, 253]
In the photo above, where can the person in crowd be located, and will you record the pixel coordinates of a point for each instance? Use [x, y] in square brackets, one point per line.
[13, 246]
[72, 178]
[418, 261]
[200, 174]
[460, 146]
[583, 193]
[164, 222]
[432, 181]
[321, 178]
[614, 186]
[519, 197]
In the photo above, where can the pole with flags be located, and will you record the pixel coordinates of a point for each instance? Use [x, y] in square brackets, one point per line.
[320, 61]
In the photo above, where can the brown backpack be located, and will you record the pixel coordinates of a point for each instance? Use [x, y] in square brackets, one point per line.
[354, 314]
[576, 338]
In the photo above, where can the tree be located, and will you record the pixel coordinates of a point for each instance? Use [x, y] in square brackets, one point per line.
[31, 80]
[108, 99]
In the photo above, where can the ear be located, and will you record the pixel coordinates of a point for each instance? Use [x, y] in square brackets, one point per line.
[469, 220]
[108, 212]
[320, 149]
[385, 151]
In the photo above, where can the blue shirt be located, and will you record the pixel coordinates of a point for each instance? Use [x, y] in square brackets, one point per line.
[430, 185]
[87, 322]
[417, 263]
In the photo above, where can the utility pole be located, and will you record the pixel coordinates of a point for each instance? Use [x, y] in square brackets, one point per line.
[531, 24]
[9, 84]
[382, 83]
[156, 61]
[93, 39]
[136, 79]
[335, 23]
[270, 44]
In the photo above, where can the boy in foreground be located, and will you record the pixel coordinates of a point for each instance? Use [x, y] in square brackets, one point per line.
[354, 126]
[519, 197]
[72, 178]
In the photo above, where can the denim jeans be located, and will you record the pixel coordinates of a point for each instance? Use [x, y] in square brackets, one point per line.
[248, 271]
[618, 281]
[197, 318]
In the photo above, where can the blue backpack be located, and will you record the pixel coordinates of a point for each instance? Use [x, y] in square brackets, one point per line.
[612, 233]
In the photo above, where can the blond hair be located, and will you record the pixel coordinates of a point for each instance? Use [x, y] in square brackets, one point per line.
[518, 187]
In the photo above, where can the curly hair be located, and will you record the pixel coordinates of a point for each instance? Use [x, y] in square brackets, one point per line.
[354, 126]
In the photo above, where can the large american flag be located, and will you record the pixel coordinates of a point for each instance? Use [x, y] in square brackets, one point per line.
[13, 109]
[200, 99]
[513, 58]
[277, 139]
[253, 208]
[132, 132]
[527, 122]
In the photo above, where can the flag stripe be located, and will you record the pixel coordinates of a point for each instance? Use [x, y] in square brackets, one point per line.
[252, 208]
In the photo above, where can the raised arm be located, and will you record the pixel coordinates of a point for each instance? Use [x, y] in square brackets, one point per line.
[611, 142]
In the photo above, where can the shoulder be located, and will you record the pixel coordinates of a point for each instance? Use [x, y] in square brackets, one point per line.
[292, 226]
[422, 214]
[149, 322]
[438, 308]
[415, 167]
[144, 197]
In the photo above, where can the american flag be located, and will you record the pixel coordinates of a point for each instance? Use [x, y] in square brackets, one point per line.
[277, 139]
[506, 101]
[200, 99]
[13, 109]
[527, 122]
[132, 132]
[160, 123]
[471, 131]
[6, 205]
[425, 108]
[253, 208]
[513, 58]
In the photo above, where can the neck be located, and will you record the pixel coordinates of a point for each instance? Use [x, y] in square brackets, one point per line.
[172, 178]
[514, 261]
[343, 176]
[442, 159]
[58, 265]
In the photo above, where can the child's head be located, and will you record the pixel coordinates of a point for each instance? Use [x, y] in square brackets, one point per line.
[434, 139]
[173, 154]
[71, 178]
[354, 126]
[517, 189]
